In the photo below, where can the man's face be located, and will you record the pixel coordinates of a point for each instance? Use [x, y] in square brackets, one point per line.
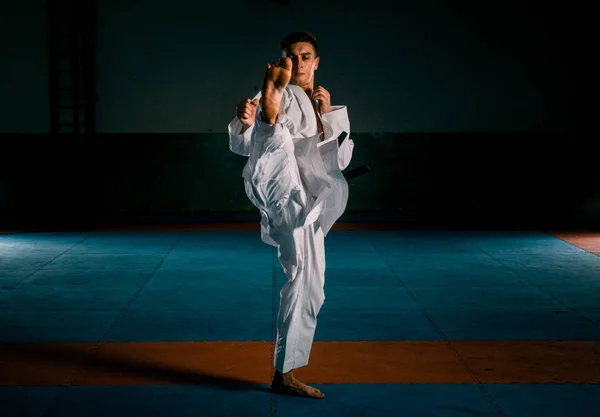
[304, 63]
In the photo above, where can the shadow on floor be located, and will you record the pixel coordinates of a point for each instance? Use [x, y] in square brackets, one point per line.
[51, 362]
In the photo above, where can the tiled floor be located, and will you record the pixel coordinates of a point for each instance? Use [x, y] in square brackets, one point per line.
[176, 323]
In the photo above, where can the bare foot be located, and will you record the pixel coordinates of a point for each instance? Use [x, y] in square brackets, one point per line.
[287, 384]
[277, 77]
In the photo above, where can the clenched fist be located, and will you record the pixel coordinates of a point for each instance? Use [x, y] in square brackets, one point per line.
[246, 112]
[323, 98]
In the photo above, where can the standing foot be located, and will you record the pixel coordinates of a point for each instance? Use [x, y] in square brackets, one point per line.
[287, 384]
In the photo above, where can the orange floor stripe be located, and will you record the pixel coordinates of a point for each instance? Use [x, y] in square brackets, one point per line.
[589, 241]
[160, 363]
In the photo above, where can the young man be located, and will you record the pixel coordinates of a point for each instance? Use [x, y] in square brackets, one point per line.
[289, 132]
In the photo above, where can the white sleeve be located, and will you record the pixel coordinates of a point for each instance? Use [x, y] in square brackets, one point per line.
[239, 143]
[336, 122]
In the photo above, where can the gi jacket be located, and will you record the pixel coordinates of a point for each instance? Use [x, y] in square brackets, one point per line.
[292, 177]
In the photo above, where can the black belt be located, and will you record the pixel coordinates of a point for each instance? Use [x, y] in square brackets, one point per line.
[356, 172]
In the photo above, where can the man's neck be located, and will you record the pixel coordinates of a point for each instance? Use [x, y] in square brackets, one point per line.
[308, 89]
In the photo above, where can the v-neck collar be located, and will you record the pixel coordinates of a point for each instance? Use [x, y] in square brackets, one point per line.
[307, 101]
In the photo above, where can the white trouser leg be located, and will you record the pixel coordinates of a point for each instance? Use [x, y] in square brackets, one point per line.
[302, 257]
[274, 185]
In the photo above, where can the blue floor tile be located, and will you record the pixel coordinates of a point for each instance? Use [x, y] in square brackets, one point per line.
[26, 401]
[507, 242]
[511, 298]
[15, 261]
[355, 261]
[17, 270]
[161, 326]
[127, 243]
[582, 298]
[202, 259]
[9, 279]
[494, 324]
[423, 246]
[348, 249]
[378, 276]
[457, 275]
[218, 276]
[348, 242]
[401, 237]
[348, 276]
[375, 325]
[90, 278]
[552, 400]
[201, 297]
[400, 261]
[593, 315]
[376, 400]
[36, 298]
[579, 260]
[161, 401]
[48, 326]
[221, 240]
[106, 262]
[193, 325]
[58, 241]
[241, 325]
[560, 277]
[555, 247]
[369, 298]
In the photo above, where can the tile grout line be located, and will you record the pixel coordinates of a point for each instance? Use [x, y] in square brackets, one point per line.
[99, 344]
[561, 304]
[38, 269]
[564, 306]
[532, 284]
[24, 279]
[273, 396]
[488, 396]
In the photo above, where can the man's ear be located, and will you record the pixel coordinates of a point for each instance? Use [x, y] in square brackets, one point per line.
[317, 60]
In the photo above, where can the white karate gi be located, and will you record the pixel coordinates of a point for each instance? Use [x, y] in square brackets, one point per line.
[295, 181]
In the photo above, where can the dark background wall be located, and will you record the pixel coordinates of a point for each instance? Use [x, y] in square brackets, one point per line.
[400, 66]
[23, 68]
[466, 111]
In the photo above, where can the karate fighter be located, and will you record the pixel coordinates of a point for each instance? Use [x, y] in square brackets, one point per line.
[289, 132]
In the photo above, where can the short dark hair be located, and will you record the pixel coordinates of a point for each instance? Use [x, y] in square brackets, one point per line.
[296, 37]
